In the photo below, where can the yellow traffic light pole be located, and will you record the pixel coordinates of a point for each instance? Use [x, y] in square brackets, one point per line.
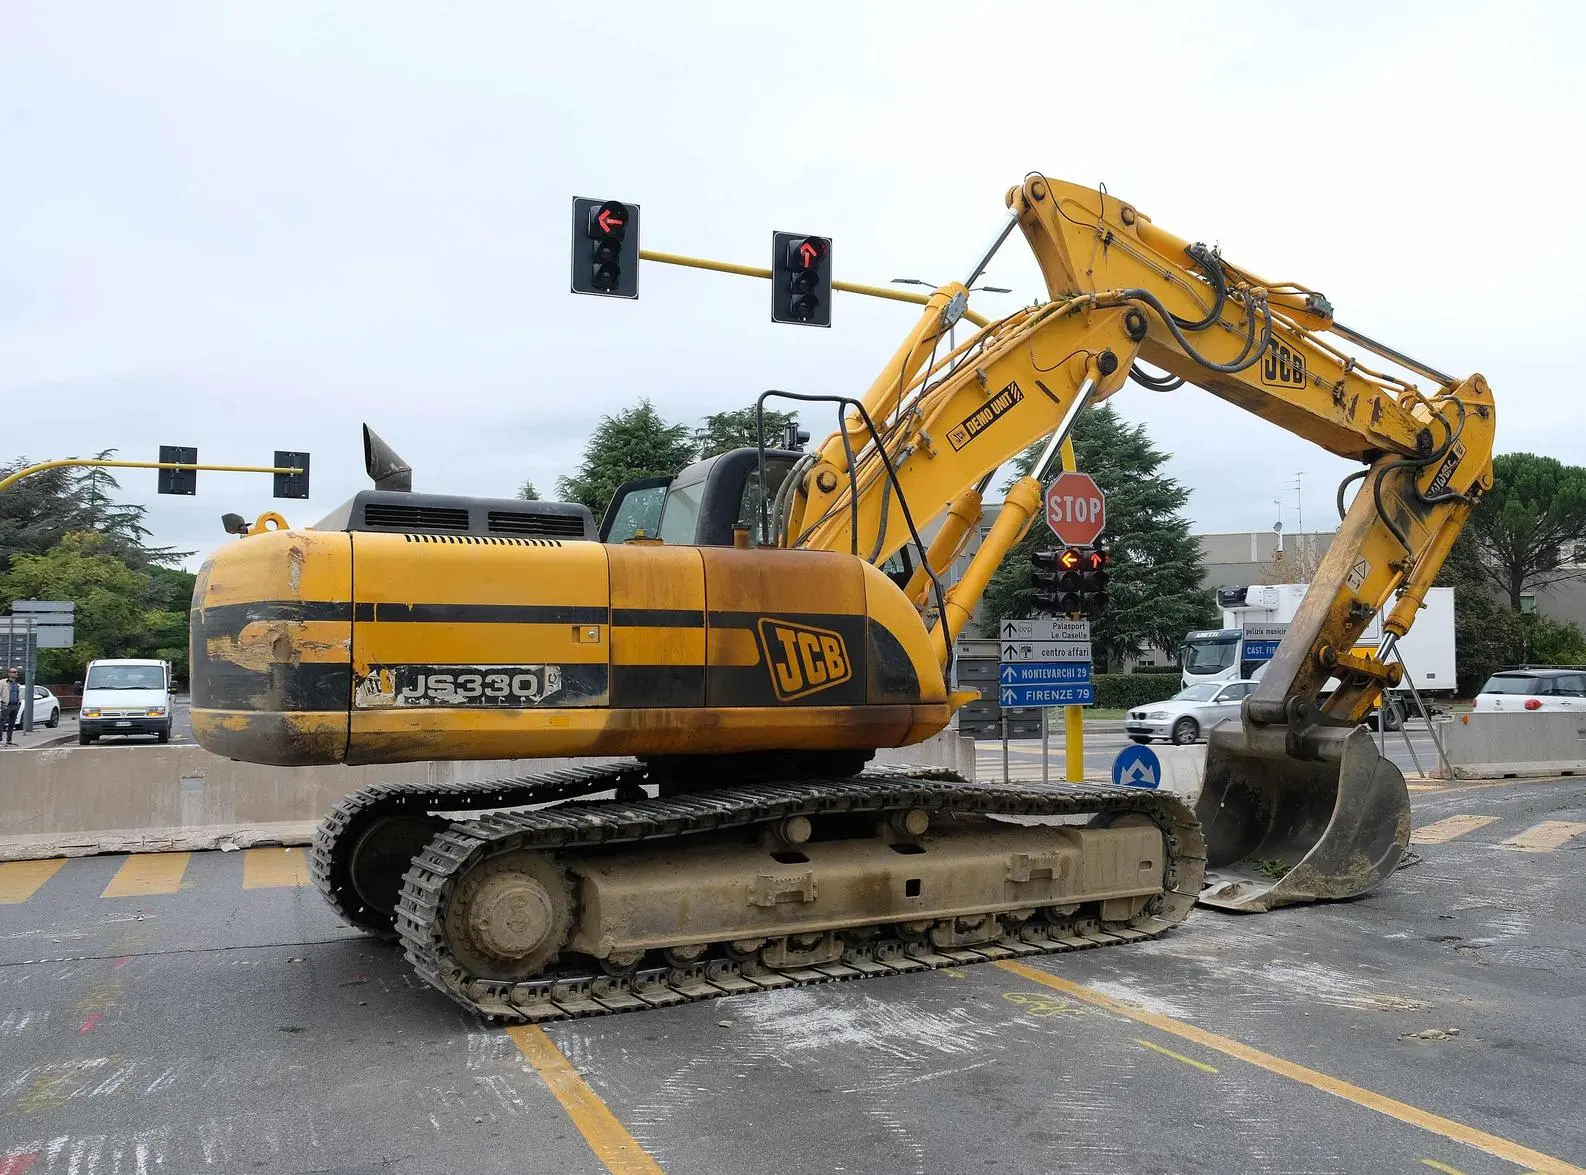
[11, 479]
[1073, 716]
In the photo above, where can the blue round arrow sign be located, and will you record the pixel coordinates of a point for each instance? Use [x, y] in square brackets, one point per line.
[1136, 766]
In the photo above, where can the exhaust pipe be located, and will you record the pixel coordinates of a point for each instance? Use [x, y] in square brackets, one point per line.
[1281, 829]
[385, 468]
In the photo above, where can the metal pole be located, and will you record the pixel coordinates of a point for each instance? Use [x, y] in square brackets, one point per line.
[1074, 749]
[991, 252]
[28, 670]
[1046, 776]
[757, 271]
[1425, 713]
[73, 462]
[1004, 716]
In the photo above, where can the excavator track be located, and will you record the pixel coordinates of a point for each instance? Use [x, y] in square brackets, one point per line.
[578, 986]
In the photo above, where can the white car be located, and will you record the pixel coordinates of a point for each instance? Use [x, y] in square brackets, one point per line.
[1188, 715]
[1519, 691]
[46, 708]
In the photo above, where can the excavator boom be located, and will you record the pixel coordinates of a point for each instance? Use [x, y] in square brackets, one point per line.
[1296, 804]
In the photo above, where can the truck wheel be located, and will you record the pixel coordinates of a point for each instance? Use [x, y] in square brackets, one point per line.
[84, 738]
[165, 733]
[1185, 731]
[1389, 718]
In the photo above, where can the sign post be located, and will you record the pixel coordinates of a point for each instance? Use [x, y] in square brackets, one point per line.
[1047, 662]
[1076, 512]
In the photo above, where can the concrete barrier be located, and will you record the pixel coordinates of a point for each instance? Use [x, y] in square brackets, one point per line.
[77, 801]
[1512, 746]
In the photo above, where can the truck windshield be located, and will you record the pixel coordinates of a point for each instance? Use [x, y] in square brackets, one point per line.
[125, 677]
[1210, 654]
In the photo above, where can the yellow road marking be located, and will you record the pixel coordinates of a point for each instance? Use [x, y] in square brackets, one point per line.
[1492, 1144]
[1446, 830]
[268, 868]
[20, 880]
[1443, 1167]
[1156, 1048]
[146, 873]
[618, 1150]
[1545, 837]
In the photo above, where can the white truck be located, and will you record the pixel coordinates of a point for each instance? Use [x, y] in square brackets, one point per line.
[1256, 616]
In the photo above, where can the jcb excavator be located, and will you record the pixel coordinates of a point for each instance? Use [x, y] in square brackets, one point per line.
[744, 637]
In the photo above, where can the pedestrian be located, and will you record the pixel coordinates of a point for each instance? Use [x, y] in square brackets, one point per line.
[10, 704]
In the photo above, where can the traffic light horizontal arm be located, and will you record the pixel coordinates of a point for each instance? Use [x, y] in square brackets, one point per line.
[10, 479]
[758, 271]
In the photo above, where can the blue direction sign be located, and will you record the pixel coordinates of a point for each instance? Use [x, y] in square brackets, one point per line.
[1136, 766]
[1079, 693]
[1044, 672]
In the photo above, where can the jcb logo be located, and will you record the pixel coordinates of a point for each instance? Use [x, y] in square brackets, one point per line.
[802, 659]
[1282, 366]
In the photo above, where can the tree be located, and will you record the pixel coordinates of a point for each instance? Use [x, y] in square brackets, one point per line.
[40, 510]
[1533, 516]
[1156, 573]
[725, 431]
[527, 492]
[1552, 642]
[111, 598]
[634, 443]
[1487, 635]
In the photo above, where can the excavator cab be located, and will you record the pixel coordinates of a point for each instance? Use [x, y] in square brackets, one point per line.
[703, 504]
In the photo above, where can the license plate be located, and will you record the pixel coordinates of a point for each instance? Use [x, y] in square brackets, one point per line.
[123, 724]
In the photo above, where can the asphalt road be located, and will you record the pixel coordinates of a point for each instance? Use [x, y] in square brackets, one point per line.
[217, 1017]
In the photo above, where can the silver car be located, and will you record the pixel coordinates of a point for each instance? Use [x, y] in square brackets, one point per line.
[1189, 714]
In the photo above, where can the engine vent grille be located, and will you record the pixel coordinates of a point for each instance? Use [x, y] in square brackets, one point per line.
[392, 516]
[515, 522]
[487, 540]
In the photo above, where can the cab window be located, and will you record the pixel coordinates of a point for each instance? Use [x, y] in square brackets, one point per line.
[637, 507]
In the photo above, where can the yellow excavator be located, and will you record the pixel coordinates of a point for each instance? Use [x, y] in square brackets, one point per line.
[737, 641]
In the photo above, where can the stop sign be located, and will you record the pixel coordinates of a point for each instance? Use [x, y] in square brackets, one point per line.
[1075, 509]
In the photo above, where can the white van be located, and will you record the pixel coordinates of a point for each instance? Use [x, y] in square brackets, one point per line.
[126, 697]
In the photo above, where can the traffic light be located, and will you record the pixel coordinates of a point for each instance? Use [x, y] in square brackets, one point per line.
[291, 485]
[178, 481]
[1057, 579]
[605, 248]
[1093, 581]
[801, 279]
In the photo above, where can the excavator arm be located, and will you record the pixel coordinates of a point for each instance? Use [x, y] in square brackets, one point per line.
[1298, 784]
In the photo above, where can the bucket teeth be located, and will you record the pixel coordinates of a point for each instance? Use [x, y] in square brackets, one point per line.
[1282, 830]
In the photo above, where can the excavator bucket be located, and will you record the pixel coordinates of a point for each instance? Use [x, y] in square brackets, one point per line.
[1281, 830]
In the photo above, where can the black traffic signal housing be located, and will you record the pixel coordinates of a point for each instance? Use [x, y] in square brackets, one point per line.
[605, 248]
[178, 481]
[1057, 581]
[291, 485]
[801, 279]
[1094, 563]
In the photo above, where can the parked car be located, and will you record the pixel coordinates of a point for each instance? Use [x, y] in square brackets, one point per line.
[46, 707]
[131, 696]
[1188, 715]
[1517, 691]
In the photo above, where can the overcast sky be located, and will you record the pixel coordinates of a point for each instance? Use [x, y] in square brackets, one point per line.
[254, 226]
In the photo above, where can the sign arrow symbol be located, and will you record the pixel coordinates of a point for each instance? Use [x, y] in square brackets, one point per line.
[1008, 697]
[1008, 630]
[809, 252]
[1009, 673]
[609, 220]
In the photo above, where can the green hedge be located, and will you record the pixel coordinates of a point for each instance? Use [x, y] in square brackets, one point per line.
[1157, 671]
[1121, 691]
